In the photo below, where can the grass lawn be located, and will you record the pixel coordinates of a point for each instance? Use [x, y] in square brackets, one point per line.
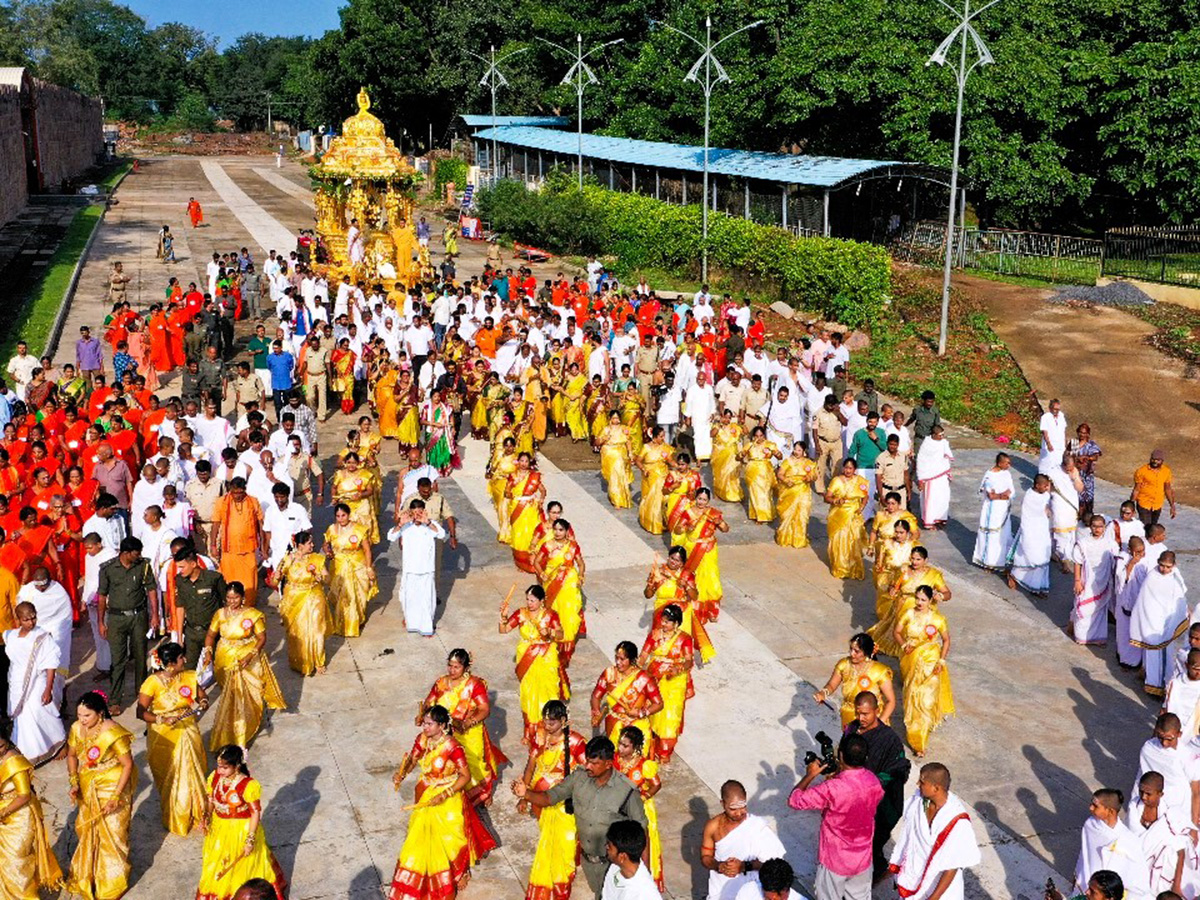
[36, 311]
[110, 180]
[1040, 268]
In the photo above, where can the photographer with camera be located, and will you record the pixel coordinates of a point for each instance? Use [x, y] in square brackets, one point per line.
[847, 798]
[886, 758]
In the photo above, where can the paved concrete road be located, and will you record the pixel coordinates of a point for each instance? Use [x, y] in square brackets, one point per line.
[1040, 722]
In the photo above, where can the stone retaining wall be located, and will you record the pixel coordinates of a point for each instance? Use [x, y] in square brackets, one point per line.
[70, 132]
[13, 187]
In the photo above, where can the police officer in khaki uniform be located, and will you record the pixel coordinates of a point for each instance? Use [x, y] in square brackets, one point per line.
[316, 377]
[827, 431]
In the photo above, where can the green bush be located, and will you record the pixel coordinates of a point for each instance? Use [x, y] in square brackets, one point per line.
[193, 114]
[447, 170]
[844, 280]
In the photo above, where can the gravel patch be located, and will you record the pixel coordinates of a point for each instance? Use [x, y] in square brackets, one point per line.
[1118, 294]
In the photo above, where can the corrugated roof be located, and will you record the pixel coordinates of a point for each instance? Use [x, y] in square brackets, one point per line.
[784, 168]
[485, 121]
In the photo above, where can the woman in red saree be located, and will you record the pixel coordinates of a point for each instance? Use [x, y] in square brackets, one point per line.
[35, 541]
[139, 349]
[116, 324]
[175, 323]
[195, 213]
[160, 351]
[12, 484]
[701, 523]
[560, 568]
[67, 528]
[525, 494]
[83, 493]
[625, 695]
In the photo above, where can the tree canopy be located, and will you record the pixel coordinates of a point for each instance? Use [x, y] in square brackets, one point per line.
[1084, 120]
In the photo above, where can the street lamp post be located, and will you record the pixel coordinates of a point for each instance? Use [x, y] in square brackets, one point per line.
[964, 32]
[581, 75]
[493, 77]
[714, 74]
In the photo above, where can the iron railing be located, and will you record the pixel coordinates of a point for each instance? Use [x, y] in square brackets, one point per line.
[1056, 258]
[1170, 254]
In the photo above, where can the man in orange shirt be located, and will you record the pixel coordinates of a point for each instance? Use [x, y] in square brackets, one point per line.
[237, 537]
[1151, 488]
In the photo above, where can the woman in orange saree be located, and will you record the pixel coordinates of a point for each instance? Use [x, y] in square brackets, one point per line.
[465, 697]
[445, 836]
[560, 569]
[668, 655]
[625, 695]
[139, 349]
[701, 523]
[672, 583]
[160, 351]
[385, 401]
[524, 493]
[538, 668]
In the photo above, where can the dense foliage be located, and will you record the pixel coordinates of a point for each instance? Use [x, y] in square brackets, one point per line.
[844, 280]
[1082, 122]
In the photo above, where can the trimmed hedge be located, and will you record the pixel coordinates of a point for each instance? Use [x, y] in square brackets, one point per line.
[446, 170]
[844, 280]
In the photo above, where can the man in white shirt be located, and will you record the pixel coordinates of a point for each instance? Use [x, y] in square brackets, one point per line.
[283, 519]
[1053, 426]
[20, 369]
[431, 370]
[627, 878]
[418, 535]
[624, 345]
[213, 271]
[96, 554]
[703, 310]
[594, 268]
[669, 404]
[775, 879]
[701, 295]
[836, 355]
[106, 523]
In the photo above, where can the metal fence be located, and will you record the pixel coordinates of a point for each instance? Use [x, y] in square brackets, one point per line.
[1170, 255]
[1056, 258]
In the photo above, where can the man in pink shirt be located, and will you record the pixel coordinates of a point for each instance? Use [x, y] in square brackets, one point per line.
[847, 800]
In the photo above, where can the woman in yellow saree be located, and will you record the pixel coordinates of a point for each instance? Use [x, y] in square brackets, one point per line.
[103, 782]
[445, 836]
[555, 381]
[668, 655]
[883, 529]
[643, 772]
[596, 410]
[408, 423]
[495, 397]
[653, 462]
[633, 417]
[553, 751]
[465, 697]
[538, 668]
[27, 863]
[760, 475]
[369, 444]
[573, 393]
[502, 465]
[343, 360]
[924, 641]
[385, 401]
[303, 606]
[524, 494]
[560, 569]
[169, 701]
[679, 490]
[857, 672]
[625, 695]
[795, 477]
[672, 583]
[615, 469]
[891, 559]
[354, 487]
[235, 845]
[726, 468]
[701, 522]
[352, 583]
[846, 495]
[476, 377]
[522, 413]
[242, 670]
[903, 594]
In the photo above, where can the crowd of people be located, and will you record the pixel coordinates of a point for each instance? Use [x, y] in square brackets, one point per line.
[165, 503]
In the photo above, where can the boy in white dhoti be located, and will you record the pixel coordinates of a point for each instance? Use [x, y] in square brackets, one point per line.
[1173, 757]
[1106, 843]
[930, 854]
[418, 567]
[734, 845]
[33, 659]
[1183, 696]
[1181, 655]
[1160, 616]
[1029, 556]
[933, 478]
[1127, 582]
[1095, 555]
[55, 616]
[1166, 842]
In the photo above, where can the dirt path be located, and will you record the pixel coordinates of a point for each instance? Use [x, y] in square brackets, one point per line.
[1097, 363]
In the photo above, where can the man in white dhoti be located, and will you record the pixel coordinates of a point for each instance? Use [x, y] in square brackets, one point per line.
[33, 661]
[1065, 485]
[735, 844]
[156, 543]
[356, 250]
[933, 478]
[699, 405]
[418, 567]
[1166, 840]
[1107, 843]
[1160, 616]
[96, 554]
[995, 516]
[1053, 426]
[55, 616]
[1174, 758]
[1183, 695]
[1127, 581]
[1095, 554]
[1029, 558]
[936, 839]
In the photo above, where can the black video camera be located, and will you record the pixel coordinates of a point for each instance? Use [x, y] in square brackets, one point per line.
[827, 757]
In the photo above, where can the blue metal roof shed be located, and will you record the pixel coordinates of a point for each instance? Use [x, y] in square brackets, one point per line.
[486, 121]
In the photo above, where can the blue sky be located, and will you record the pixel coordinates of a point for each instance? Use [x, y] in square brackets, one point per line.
[229, 19]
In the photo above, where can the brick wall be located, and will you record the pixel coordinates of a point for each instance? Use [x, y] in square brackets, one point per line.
[13, 193]
[70, 132]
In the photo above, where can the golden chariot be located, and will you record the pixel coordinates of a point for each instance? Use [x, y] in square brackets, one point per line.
[363, 176]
